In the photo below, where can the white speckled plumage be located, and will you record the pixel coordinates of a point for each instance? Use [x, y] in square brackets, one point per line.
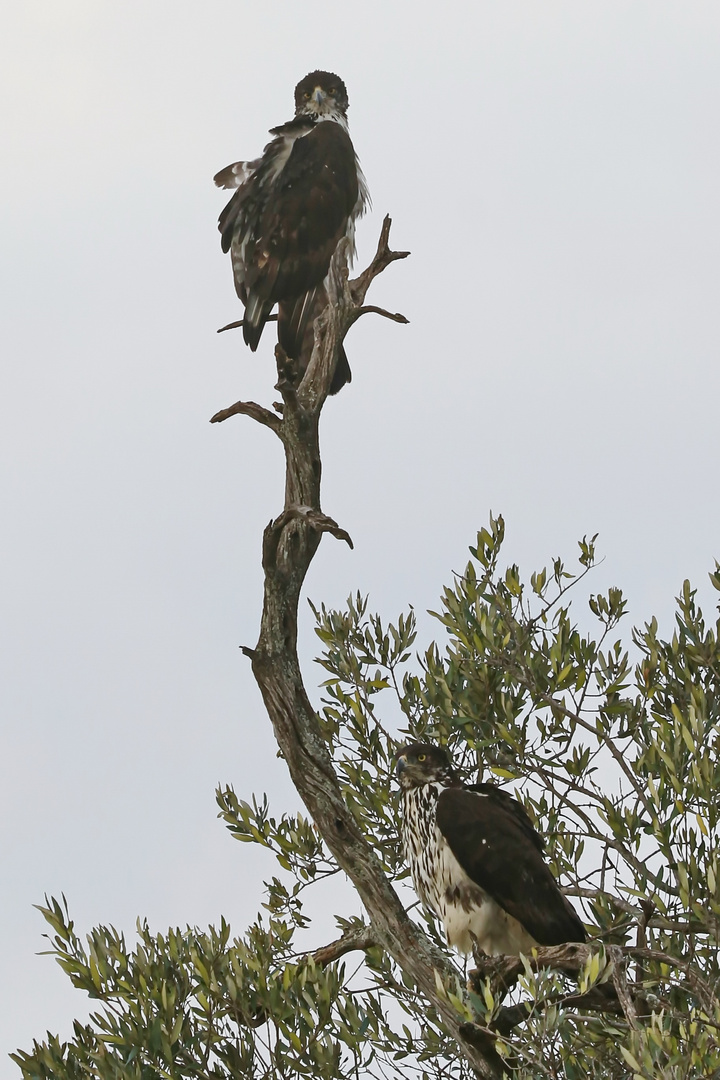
[472, 919]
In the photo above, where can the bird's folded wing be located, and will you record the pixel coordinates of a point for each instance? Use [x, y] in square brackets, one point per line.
[493, 847]
[513, 807]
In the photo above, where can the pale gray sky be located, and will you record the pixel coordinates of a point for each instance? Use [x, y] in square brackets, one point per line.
[554, 168]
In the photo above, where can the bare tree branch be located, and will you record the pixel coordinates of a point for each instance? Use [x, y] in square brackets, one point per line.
[289, 546]
[355, 941]
[569, 958]
[241, 322]
[502, 973]
[623, 993]
[287, 370]
[382, 259]
[252, 409]
[371, 309]
[614, 996]
[319, 522]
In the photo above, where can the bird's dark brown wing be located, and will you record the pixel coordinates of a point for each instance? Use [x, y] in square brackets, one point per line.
[303, 219]
[254, 180]
[492, 845]
[513, 807]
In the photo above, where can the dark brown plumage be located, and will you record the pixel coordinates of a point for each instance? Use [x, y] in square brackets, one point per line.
[291, 209]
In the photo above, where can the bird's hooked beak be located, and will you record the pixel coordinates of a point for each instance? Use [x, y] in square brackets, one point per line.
[401, 764]
[319, 95]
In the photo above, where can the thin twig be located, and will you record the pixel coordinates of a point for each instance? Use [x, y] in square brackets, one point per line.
[371, 309]
[621, 989]
[700, 987]
[648, 909]
[241, 322]
[382, 259]
[609, 841]
[632, 779]
[657, 922]
[596, 999]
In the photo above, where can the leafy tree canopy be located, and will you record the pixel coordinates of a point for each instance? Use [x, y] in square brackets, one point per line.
[612, 745]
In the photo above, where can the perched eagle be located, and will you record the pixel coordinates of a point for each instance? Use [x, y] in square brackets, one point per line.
[477, 862]
[291, 208]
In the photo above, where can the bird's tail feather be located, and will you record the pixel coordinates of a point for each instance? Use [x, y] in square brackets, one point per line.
[343, 374]
[256, 315]
[296, 334]
[294, 319]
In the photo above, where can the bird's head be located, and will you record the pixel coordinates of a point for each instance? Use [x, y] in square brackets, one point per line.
[422, 763]
[321, 95]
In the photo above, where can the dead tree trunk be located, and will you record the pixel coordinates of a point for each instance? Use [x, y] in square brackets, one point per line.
[289, 544]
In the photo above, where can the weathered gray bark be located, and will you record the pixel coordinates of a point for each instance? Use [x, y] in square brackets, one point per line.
[289, 544]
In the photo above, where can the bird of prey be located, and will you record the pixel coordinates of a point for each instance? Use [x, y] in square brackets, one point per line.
[477, 862]
[292, 207]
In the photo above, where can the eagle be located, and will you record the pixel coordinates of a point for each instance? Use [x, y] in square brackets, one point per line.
[477, 862]
[291, 208]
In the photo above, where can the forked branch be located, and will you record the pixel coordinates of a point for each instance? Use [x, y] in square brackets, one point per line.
[384, 256]
[345, 307]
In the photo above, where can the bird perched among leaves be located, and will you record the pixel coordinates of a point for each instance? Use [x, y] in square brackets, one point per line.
[291, 209]
[477, 862]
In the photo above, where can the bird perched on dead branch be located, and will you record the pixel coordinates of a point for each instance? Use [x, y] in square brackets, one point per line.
[292, 207]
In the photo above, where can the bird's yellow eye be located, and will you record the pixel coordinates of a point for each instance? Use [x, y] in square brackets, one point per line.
[332, 90]
[421, 757]
[307, 95]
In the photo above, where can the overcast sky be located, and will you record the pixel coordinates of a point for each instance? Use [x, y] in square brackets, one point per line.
[554, 169]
